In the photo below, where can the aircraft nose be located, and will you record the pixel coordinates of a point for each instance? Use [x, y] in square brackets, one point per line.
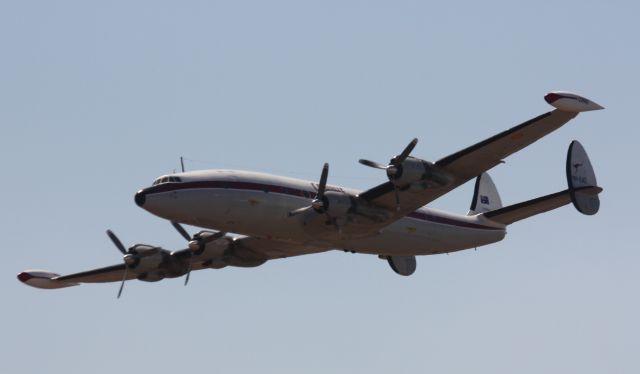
[140, 198]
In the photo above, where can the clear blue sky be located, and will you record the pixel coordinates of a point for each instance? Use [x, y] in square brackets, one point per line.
[99, 98]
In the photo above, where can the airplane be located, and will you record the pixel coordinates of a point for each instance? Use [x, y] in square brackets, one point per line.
[274, 217]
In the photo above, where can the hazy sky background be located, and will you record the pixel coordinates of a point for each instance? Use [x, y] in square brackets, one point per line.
[99, 98]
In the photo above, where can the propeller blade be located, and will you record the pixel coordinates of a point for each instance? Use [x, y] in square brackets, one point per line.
[323, 181]
[186, 280]
[407, 150]
[117, 242]
[299, 210]
[202, 241]
[181, 230]
[322, 186]
[124, 278]
[372, 164]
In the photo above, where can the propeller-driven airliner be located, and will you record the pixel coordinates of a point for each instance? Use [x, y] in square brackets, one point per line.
[249, 218]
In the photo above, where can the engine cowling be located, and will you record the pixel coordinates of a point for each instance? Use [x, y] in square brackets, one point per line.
[414, 170]
[338, 204]
[144, 258]
[213, 253]
[241, 256]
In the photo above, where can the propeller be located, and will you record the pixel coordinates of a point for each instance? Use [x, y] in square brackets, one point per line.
[320, 204]
[394, 168]
[181, 230]
[117, 242]
[128, 258]
[395, 164]
[196, 243]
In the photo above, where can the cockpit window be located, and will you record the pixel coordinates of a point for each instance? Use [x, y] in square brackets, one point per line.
[166, 179]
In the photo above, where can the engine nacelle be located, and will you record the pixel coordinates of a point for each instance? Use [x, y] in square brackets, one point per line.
[240, 256]
[214, 250]
[338, 204]
[416, 170]
[145, 258]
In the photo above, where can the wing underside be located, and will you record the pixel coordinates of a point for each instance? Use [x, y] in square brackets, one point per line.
[102, 275]
[245, 252]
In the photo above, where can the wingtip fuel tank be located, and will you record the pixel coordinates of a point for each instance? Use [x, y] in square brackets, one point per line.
[570, 102]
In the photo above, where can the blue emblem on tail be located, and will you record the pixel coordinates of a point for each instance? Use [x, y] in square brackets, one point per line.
[484, 199]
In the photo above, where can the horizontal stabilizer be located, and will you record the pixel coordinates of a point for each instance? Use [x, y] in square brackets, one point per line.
[517, 212]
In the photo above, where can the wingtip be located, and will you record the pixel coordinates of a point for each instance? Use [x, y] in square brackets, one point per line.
[23, 276]
[571, 102]
[42, 279]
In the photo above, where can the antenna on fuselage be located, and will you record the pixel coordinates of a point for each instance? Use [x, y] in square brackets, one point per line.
[182, 163]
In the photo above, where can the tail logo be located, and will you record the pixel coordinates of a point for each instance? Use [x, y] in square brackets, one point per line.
[576, 166]
[484, 199]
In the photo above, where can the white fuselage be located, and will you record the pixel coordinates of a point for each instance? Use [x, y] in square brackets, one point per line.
[258, 205]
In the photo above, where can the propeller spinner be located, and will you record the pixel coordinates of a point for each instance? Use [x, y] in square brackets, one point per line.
[129, 257]
[394, 168]
[196, 243]
[320, 204]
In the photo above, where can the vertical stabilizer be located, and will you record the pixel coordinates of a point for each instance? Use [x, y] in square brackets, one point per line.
[580, 174]
[485, 196]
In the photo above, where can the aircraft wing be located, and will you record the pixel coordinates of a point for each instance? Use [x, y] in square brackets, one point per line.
[46, 279]
[102, 275]
[243, 252]
[470, 162]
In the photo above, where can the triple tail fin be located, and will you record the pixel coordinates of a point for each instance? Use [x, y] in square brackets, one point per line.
[582, 192]
[485, 196]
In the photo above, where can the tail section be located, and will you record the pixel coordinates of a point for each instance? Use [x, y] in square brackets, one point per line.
[580, 174]
[583, 192]
[485, 196]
